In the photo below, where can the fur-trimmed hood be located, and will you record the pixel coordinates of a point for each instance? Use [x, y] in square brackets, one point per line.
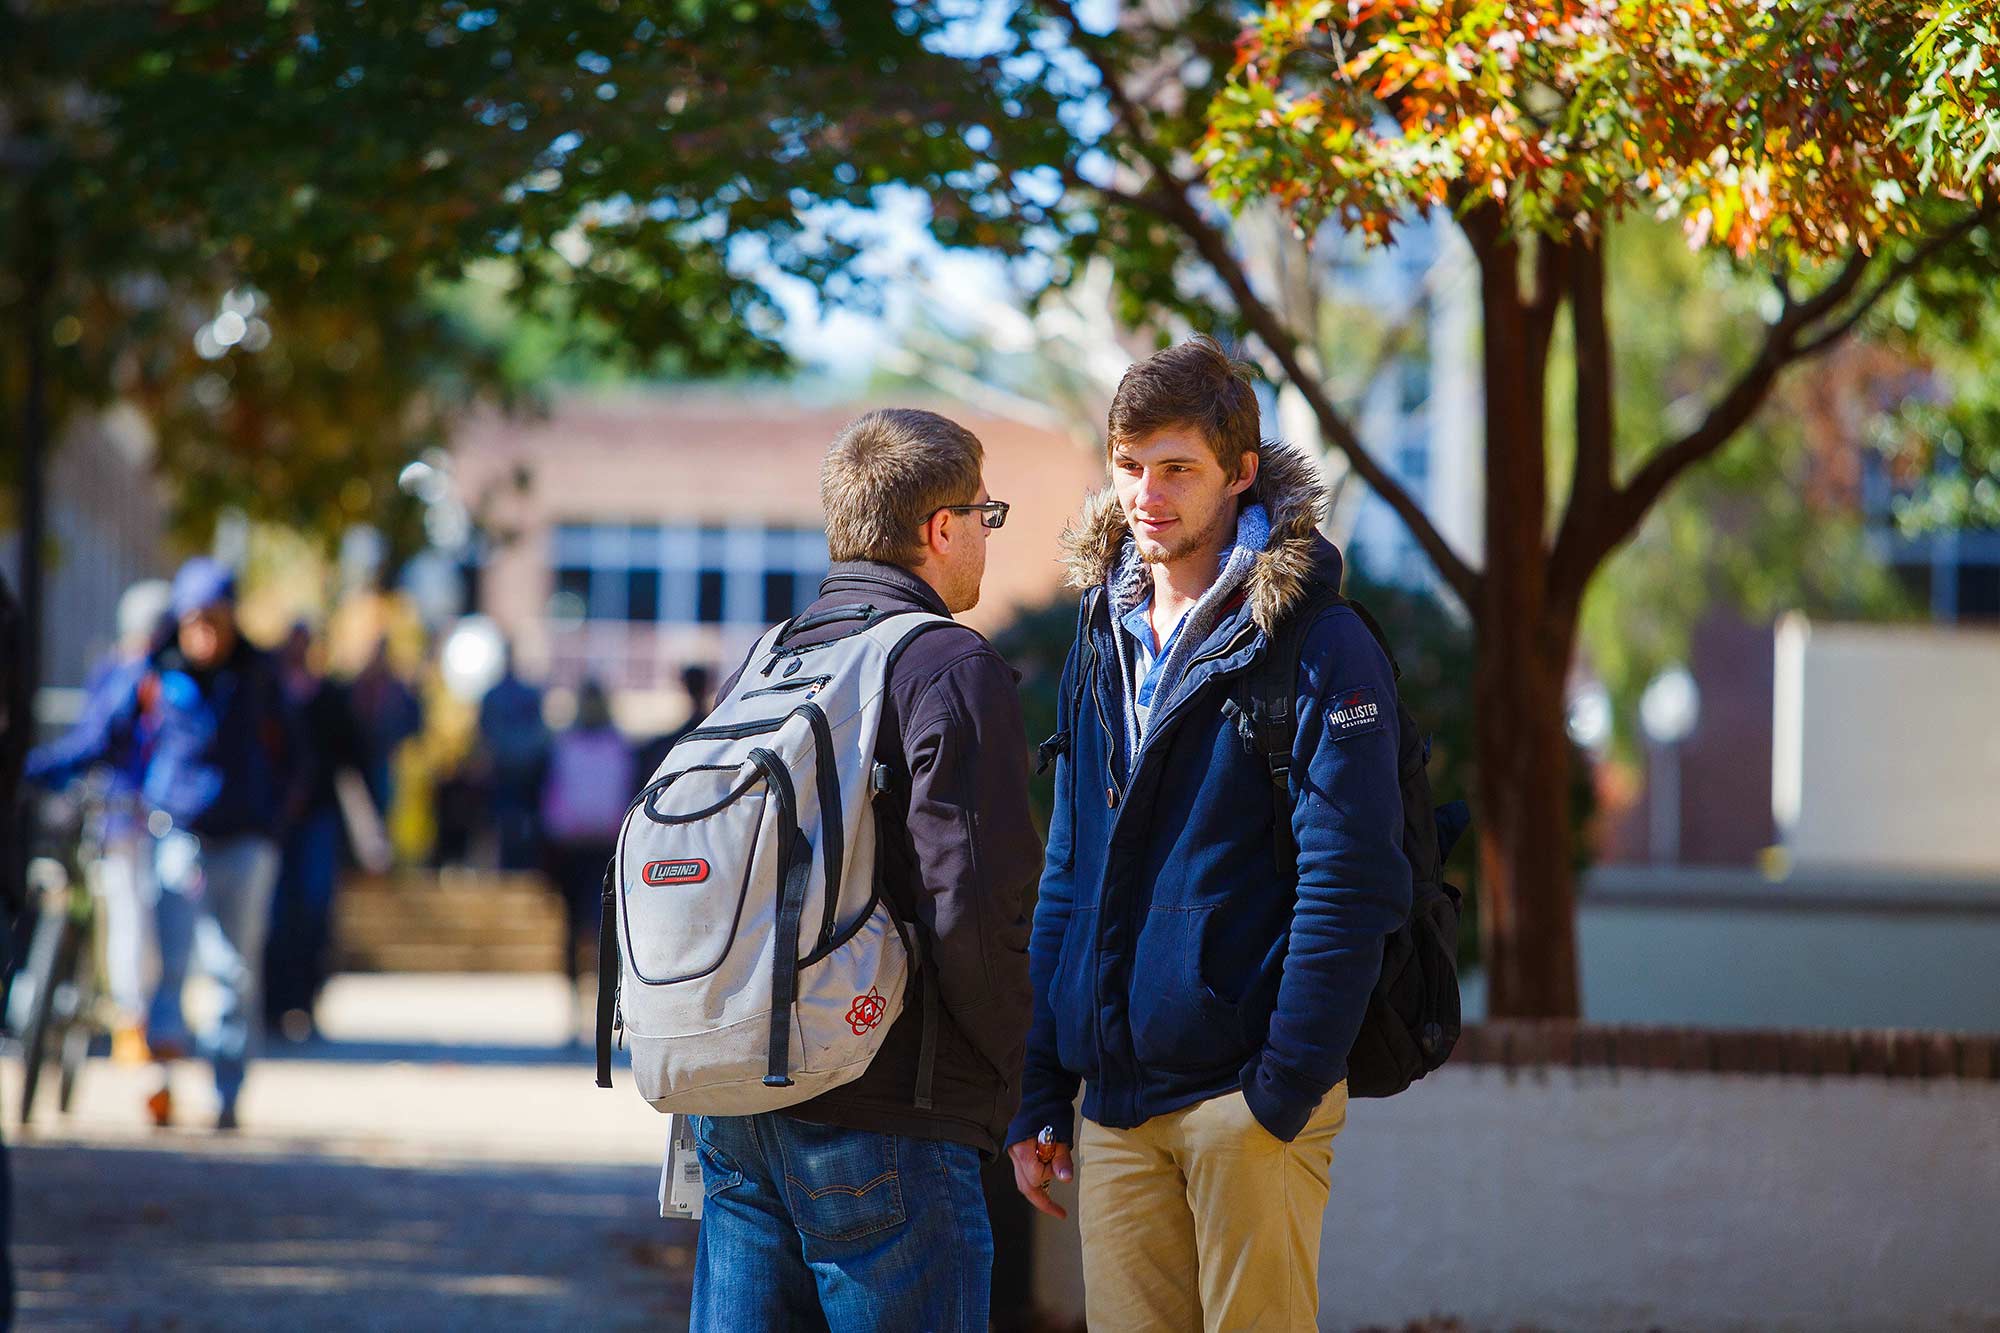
[1288, 485]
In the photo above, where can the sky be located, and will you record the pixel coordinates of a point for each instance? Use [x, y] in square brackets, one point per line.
[910, 266]
[842, 343]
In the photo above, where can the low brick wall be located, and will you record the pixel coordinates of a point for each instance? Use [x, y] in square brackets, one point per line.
[1579, 1176]
[1864, 1052]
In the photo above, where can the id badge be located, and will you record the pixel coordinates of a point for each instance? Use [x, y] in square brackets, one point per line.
[681, 1190]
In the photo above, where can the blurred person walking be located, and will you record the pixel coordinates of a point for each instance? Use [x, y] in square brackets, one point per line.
[699, 685]
[297, 952]
[125, 874]
[1206, 1002]
[862, 1208]
[219, 756]
[387, 713]
[514, 753]
[590, 784]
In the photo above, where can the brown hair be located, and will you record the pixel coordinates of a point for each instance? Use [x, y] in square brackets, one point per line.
[886, 473]
[1193, 384]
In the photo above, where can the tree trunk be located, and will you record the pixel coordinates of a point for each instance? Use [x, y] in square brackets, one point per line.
[1527, 897]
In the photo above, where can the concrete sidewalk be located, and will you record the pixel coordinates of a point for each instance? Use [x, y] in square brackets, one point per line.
[442, 1160]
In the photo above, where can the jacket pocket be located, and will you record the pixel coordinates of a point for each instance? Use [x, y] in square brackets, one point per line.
[1178, 1021]
[841, 1184]
[1072, 997]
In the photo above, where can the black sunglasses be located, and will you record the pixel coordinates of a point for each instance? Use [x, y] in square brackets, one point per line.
[992, 513]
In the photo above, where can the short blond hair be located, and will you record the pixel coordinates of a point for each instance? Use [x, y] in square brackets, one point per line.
[886, 473]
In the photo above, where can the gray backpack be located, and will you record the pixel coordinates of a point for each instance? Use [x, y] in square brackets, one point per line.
[746, 950]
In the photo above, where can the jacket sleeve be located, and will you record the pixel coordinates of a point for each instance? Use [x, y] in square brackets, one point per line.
[1354, 881]
[104, 726]
[976, 850]
[1048, 1091]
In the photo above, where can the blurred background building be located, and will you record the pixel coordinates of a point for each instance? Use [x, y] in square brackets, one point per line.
[626, 535]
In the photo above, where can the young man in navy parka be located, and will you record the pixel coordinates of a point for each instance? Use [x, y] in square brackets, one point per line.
[1206, 1005]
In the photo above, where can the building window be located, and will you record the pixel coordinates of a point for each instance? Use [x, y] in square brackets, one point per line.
[1413, 464]
[708, 597]
[573, 590]
[1413, 384]
[1979, 592]
[685, 573]
[781, 594]
[642, 594]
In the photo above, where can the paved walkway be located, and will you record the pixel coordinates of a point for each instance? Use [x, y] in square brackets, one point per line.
[441, 1161]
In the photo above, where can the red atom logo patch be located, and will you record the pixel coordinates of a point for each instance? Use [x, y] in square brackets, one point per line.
[866, 1011]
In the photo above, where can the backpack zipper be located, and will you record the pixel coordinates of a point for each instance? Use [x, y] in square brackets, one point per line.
[802, 683]
[735, 731]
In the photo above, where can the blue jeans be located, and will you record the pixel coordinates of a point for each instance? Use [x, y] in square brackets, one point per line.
[295, 950]
[811, 1227]
[214, 904]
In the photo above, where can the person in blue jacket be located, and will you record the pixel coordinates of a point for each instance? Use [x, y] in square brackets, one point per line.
[205, 719]
[1205, 1005]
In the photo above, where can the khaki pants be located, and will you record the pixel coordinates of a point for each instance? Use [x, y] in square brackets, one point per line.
[1199, 1219]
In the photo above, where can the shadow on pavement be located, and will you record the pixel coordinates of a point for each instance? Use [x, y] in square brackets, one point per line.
[433, 1053]
[150, 1239]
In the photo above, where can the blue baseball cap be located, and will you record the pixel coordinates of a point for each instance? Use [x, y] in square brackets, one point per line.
[201, 583]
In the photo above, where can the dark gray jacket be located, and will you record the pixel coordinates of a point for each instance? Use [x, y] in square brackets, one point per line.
[959, 858]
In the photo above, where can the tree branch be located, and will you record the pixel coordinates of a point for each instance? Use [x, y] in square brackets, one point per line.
[1169, 202]
[1791, 339]
[1552, 261]
[1897, 273]
[1629, 504]
[1591, 484]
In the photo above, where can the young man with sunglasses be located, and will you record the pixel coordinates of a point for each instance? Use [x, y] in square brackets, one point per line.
[862, 1208]
[1205, 1001]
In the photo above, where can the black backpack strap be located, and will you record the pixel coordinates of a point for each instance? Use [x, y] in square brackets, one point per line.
[1269, 725]
[1374, 628]
[794, 873]
[607, 972]
[924, 974]
[1085, 652]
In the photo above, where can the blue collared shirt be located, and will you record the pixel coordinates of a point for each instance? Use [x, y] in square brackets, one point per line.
[1145, 660]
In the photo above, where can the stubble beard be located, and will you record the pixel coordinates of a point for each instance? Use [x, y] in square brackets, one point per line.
[1154, 552]
[967, 589]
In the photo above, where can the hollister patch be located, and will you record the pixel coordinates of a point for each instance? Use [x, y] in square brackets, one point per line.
[663, 873]
[1353, 713]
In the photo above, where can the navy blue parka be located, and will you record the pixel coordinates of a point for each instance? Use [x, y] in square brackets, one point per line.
[1171, 963]
[218, 751]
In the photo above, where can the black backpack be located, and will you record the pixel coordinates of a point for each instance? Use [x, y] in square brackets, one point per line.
[1413, 1018]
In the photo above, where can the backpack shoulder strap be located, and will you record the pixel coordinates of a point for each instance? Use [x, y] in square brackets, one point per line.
[909, 627]
[1374, 628]
[1269, 723]
[1084, 650]
[608, 965]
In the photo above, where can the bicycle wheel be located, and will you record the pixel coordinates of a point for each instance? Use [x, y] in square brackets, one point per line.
[45, 967]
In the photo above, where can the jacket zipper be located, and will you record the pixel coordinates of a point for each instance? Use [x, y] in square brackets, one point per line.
[1112, 793]
[1235, 645]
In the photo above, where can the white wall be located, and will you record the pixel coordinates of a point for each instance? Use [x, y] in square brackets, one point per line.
[1592, 1200]
[1887, 746]
[1726, 948]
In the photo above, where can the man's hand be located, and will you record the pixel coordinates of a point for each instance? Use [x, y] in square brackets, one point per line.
[1032, 1173]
